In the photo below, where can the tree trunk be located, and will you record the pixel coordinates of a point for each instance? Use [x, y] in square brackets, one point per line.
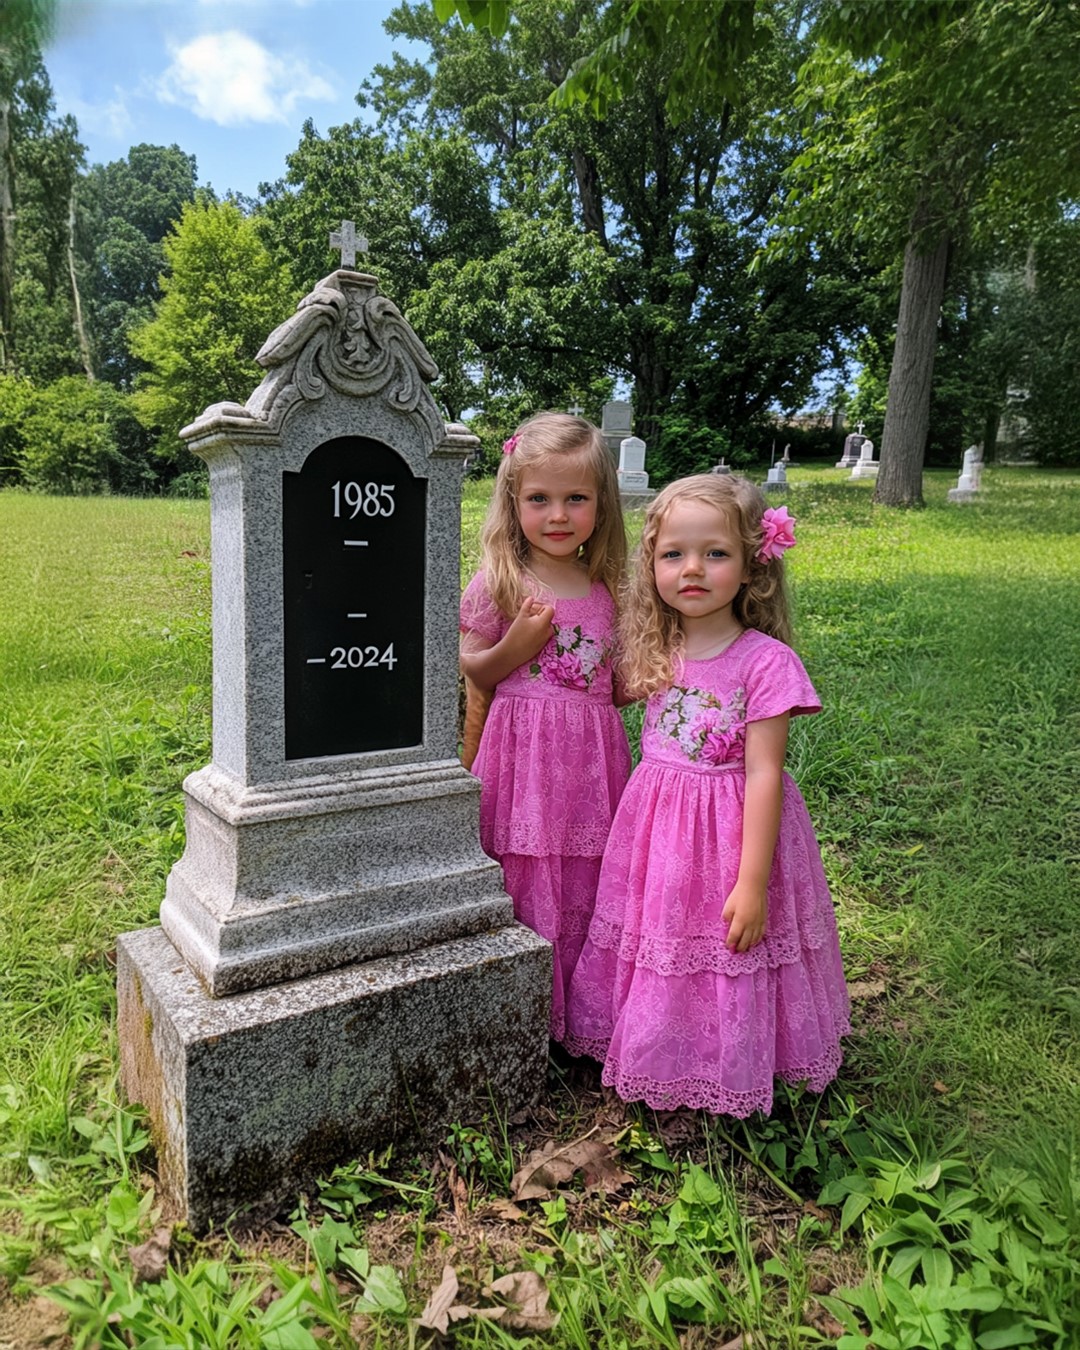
[907, 413]
[7, 241]
[80, 327]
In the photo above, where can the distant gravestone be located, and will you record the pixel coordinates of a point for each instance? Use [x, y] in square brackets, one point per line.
[633, 480]
[852, 443]
[866, 466]
[970, 480]
[338, 963]
[776, 479]
[616, 423]
[722, 468]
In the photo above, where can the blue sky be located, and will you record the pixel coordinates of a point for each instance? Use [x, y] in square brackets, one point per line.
[229, 81]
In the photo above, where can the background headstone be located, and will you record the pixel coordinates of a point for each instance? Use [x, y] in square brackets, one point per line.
[852, 441]
[866, 466]
[970, 480]
[776, 480]
[338, 963]
[633, 480]
[616, 423]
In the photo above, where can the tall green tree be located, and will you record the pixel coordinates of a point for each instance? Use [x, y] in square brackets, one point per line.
[129, 205]
[222, 294]
[967, 130]
[674, 209]
[35, 151]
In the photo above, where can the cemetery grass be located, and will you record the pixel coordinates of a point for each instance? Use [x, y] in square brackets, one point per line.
[928, 1198]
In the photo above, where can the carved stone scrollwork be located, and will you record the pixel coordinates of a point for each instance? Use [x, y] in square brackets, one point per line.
[345, 336]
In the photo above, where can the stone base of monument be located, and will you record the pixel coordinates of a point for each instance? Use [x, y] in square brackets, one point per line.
[634, 490]
[865, 469]
[251, 1096]
[959, 494]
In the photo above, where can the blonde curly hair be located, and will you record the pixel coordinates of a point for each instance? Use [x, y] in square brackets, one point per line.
[505, 550]
[650, 632]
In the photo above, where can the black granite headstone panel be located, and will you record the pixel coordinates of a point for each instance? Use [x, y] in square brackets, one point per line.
[354, 542]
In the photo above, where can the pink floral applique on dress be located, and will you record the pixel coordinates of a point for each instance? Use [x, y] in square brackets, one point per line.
[571, 658]
[707, 729]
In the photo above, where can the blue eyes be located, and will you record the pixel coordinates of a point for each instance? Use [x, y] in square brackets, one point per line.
[712, 553]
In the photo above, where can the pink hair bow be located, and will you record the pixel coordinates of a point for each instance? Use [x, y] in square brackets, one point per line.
[509, 446]
[777, 532]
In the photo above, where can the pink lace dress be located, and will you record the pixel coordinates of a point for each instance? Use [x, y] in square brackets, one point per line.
[677, 1018]
[553, 762]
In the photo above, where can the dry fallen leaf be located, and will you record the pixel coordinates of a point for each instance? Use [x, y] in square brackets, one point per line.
[939, 1086]
[507, 1210]
[526, 1296]
[150, 1259]
[603, 1173]
[866, 989]
[436, 1314]
[547, 1168]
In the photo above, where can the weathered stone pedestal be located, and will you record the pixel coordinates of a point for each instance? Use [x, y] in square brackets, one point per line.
[338, 964]
[250, 1096]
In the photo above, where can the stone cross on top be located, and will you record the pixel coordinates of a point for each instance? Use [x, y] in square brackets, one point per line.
[348, 243]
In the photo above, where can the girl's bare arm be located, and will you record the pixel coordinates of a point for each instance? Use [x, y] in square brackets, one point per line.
[746, 908]
[487, 665]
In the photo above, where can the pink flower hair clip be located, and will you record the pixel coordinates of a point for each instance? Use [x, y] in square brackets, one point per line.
[777, 533]
[509, 446]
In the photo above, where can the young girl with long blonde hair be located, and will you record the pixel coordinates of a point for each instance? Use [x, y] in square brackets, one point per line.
[712, 963]
[538, 628]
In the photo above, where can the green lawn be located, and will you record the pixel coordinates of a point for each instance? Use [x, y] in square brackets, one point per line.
[941, 776]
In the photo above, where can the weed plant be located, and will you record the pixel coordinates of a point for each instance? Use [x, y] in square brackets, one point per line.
[930, 1198]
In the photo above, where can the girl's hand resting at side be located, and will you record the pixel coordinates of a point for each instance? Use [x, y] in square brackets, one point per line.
[746, 911]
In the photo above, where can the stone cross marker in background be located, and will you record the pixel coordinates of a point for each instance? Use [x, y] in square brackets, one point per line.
[338, 963]
[348, 243]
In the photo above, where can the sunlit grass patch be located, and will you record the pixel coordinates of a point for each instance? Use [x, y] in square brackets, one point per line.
[941, 778]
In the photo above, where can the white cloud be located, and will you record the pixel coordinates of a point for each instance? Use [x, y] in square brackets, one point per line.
[110, 118]
[230, 79]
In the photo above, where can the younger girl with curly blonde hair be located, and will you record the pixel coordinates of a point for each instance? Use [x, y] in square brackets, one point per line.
[712, 963]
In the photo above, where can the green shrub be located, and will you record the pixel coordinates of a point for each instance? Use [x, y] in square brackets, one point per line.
[79, 437]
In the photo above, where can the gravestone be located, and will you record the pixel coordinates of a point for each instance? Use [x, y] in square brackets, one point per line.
[633, 480]
[970, 480]
[616, 423]
[722, 468]
[852, 444]
[867, 466]
[337, 963]
[776, 479]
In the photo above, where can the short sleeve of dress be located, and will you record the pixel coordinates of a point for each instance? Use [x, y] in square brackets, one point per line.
[777, 683]
[478, 611]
